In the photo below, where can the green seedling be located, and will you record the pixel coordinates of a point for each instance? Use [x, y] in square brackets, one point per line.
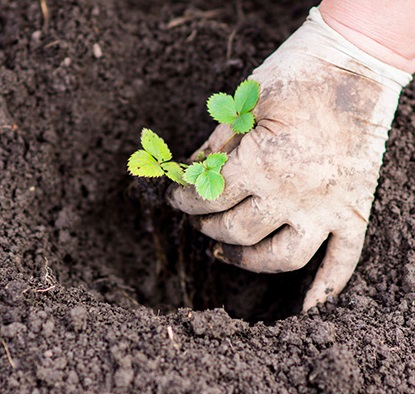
[236, 111]
[155, 159]
[206, 176]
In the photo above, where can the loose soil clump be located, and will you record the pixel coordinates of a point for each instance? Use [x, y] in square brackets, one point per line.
[103, 287]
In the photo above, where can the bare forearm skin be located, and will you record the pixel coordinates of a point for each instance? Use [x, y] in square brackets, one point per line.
[384, 29]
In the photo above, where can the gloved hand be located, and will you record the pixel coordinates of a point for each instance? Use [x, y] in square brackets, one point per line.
[309, 169]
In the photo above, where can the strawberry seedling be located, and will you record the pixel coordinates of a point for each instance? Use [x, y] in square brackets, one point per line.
[206, 176]
[155, 159]
[236, 111]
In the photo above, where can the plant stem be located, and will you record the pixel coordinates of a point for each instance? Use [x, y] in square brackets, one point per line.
[226, 142]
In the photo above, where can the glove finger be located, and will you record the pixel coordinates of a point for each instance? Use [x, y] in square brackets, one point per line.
[342, 255]
[240, 176]
[187, 200]
[237, 184]
[222, 139]
[288, 250]
[246, 224]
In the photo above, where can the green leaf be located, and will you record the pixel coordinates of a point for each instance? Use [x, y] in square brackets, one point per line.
[246, 96]
[174, 172]
[210, 185]
[221, 107]
[141, 163]
[243, 123]
[193, 172]
[155, 145]
[206, 177]
[215, 161]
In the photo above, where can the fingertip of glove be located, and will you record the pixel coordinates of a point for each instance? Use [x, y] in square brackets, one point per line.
[218, 253]
[311, 300]
[229, 254]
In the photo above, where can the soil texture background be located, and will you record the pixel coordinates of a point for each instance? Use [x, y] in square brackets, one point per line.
[104, 288]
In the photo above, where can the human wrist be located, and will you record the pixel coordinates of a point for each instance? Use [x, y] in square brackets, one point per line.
[317, 39]
[383, 31]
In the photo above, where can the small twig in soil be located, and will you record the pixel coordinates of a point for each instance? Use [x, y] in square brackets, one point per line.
[241, 16]
[171, 337]
[45, 11]
[9, 357]
[178, 21]
[51, 44]
[191, 15]
[49, 278]
[45, 290]
[39, 290]
[9, 127]
[191, 36]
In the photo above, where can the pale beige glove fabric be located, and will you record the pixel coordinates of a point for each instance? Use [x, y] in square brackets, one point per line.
[309, 169]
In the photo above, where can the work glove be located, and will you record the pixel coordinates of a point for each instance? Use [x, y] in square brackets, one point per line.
[308, 170]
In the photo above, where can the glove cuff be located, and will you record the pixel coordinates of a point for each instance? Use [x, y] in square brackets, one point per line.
[343, 51]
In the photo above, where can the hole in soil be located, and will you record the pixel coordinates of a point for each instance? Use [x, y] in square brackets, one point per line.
[165, 264]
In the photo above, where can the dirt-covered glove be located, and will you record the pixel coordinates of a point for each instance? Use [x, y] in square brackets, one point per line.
[308, 170]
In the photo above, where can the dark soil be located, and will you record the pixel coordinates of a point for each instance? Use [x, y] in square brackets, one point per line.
[95, 267]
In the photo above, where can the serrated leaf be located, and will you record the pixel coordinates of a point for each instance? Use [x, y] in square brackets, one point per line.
[155, 145]
[215, 161]
[221, 107]
[246, 96]
[141, 163]
[243, 123]
[210, 185]
[193, 172]
[174, 172]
